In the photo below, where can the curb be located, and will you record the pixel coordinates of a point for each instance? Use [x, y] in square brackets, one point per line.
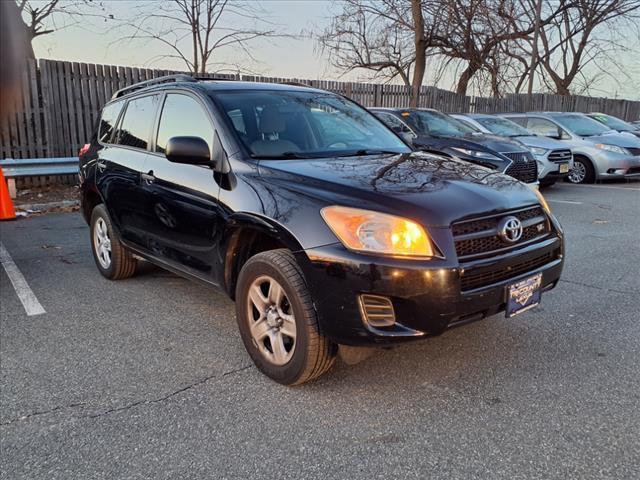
[44, 207]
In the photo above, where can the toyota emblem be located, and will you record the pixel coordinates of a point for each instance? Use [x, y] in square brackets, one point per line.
[510, 229]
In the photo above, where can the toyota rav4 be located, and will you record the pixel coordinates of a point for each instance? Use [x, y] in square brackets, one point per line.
[326, 229]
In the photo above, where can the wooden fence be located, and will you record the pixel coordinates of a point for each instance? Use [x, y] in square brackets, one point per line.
[61, 101]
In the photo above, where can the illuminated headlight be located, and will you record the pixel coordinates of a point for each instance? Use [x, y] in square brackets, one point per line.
[613, 148]
[475, 153]
[375, 232]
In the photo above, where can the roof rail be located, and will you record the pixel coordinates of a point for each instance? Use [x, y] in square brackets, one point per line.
[181, 77]
[213, 79]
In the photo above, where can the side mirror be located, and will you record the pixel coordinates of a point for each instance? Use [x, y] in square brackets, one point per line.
[189, 150]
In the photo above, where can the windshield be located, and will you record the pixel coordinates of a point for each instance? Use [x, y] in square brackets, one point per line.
[290, 124]
[435, 124]
[613, 122]
[581, 125]
[503, 127]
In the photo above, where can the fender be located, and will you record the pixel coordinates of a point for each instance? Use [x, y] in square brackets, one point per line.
[243, 223]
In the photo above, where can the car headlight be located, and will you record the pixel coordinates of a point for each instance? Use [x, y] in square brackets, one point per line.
[542, 201]
[539, 151]
[475, 153]
[369, 231]
[613, 148]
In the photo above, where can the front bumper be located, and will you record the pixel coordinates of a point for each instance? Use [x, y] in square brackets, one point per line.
[428, 296]
[611, 166]
[548, 170]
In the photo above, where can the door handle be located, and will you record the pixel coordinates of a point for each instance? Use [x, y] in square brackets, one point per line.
[148, 177]
[101, 166]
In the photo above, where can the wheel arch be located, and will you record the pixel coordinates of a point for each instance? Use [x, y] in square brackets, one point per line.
[90, 199]
[247, 235]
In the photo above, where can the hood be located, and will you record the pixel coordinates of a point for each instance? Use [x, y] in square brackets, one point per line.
[431, 189]
[543, 142]
[476, 141]
[615, 138]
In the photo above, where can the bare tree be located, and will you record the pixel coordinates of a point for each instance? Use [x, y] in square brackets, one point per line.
[45, 17]
[570, 42]
[476, 32]
[391, 38]
[193, 31]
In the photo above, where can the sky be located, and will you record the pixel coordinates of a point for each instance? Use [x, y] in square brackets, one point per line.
[95, 40]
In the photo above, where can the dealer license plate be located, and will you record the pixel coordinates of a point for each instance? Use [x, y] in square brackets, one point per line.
[564, 168]
[524, 295]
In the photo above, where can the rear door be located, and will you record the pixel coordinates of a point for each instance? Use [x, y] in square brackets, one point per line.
[186, 216]
[120, 165]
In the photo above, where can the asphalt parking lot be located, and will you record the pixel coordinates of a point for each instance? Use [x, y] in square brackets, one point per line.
[148, 378]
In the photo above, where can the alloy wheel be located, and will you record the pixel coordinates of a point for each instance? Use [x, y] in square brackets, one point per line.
[102, 243]
[271, 320]
[578, 173]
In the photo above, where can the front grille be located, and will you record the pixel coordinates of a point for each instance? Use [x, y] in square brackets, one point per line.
[472, 280]
[479, 237]
[560, 156]
[523, 168]
[635, 151]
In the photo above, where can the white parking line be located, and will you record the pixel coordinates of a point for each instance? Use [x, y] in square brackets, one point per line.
[25, 294]
[604, 186]
[564, 201]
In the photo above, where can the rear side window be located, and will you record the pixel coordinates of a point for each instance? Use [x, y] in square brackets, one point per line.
[541, 126]
[182, 116]
[393, 122]
[522, 121]
[135, 127]
[108, 121]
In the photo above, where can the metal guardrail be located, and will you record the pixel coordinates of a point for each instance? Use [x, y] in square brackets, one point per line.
[34, 167]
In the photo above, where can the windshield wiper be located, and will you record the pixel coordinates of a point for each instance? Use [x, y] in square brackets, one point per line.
[282, 156]
[363, 152]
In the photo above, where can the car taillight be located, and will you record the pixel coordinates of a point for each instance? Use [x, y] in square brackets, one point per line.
[84, 149]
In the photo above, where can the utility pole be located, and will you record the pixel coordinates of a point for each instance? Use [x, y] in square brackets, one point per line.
[534, 47]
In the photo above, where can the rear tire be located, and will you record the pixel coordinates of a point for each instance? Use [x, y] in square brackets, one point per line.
[277, 321]
[582, 172]
[113, 260]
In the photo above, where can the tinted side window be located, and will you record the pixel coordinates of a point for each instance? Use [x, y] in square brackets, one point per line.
[393, 122]
[182, 116]
[108, 121]
[135, 127]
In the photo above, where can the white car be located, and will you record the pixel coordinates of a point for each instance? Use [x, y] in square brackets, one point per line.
[554, 159]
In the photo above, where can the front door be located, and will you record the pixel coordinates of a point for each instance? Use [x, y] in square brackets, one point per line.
[186, 217]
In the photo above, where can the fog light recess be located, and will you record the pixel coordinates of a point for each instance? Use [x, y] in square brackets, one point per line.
[377, 311]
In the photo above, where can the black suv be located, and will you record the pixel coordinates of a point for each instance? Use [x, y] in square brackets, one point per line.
[433, 131]
[317, 219]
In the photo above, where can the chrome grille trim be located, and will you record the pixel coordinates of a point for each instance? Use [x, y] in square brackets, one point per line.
[478, 237]
[560, 156]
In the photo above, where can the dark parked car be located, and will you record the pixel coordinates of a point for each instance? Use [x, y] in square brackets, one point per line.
[432, 131]
[318, 220]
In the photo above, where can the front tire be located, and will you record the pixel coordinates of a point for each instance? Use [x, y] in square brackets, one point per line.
[582, 171]
[277, 321]
[113, 260]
